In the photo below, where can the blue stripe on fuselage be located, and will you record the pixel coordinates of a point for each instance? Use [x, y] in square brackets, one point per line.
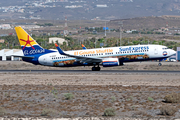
[36, 53]
[29, 51]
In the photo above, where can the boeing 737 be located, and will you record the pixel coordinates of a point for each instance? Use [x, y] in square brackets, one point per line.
[106, 57]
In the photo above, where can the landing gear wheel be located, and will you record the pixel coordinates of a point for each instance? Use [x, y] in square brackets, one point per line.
[93, 68]
[96, 68]
[160, 64]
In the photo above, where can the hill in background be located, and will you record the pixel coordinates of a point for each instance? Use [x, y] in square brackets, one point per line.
[86, 9]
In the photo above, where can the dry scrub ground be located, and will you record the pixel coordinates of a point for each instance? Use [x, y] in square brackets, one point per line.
[20, 65]
[132, 96]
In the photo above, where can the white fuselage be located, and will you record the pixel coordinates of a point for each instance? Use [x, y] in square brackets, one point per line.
[128, 53]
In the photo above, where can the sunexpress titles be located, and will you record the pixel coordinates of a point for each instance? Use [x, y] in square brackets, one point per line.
[122, 49]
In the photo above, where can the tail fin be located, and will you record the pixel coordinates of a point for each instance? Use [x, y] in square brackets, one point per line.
[28, 44]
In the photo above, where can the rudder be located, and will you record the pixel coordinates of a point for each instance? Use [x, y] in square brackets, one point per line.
[28, 44]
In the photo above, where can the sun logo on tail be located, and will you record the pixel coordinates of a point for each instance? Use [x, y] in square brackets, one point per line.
[27, 42]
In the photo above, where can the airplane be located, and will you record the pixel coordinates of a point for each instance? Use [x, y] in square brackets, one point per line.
[106, 57]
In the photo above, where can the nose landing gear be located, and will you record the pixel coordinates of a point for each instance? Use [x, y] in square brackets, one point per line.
[160, 64]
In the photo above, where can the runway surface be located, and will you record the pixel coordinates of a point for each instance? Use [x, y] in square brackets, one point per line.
[88, 71]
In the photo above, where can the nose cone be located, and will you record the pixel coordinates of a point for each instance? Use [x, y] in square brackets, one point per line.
[172, 52]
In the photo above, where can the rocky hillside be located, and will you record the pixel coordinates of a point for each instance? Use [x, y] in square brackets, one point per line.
[93, 9]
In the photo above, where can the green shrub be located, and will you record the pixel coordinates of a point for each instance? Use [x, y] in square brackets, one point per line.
[2, 111]
[109, 112]
[113, 99]
[54, 91]
[168, 110]
[172, 98]
[150, 99]
[68, 96]
[49, 112]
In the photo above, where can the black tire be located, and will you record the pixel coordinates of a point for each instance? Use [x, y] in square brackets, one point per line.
[93, 68]
[160, 64]
[96, 68]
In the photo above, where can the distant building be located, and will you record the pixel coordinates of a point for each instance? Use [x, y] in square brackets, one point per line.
[126, 0]
[1, 40]
[5, 26]
[172, 31]
[30, 26]
[130, 31]
[74, 6]
[9, 54]
[59, 40]
[102, 6]
[171, 17]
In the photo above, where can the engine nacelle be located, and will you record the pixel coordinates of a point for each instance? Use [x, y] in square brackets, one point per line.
[110, 62]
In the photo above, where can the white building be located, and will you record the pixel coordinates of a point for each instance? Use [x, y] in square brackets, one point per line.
[5, 26]
[74, 6]
[9, 54]
[59, 40]
[102, 6]
[30, 26]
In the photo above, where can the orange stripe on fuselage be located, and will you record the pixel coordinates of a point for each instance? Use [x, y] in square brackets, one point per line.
[110, 61]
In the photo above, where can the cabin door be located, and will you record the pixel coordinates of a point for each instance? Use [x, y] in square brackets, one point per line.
[44, 61]
[156, 50]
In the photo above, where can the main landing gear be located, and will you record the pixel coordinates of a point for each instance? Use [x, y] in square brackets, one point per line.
[96, 68]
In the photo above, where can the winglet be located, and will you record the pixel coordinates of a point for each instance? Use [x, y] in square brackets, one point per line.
[59, 50]
[56, 45]
[83, 46]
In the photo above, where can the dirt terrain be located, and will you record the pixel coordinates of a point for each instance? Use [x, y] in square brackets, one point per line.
[88, 95]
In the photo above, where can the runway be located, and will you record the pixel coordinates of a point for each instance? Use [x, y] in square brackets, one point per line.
[89, 71]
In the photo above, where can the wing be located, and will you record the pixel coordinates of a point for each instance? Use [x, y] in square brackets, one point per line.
[80, 58]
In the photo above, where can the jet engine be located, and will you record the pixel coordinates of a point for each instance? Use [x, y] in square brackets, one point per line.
[110, 62]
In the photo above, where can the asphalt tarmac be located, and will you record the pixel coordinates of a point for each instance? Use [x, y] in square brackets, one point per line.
[89, 71]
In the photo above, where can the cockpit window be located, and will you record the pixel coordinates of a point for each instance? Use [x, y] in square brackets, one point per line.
[165, 48]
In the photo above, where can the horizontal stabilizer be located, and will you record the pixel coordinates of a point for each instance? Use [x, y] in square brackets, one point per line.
[30, 57]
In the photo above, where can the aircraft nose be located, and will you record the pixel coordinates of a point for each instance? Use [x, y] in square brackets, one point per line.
[173, 52]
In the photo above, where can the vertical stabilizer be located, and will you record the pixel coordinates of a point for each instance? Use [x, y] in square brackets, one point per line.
[28, 44]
